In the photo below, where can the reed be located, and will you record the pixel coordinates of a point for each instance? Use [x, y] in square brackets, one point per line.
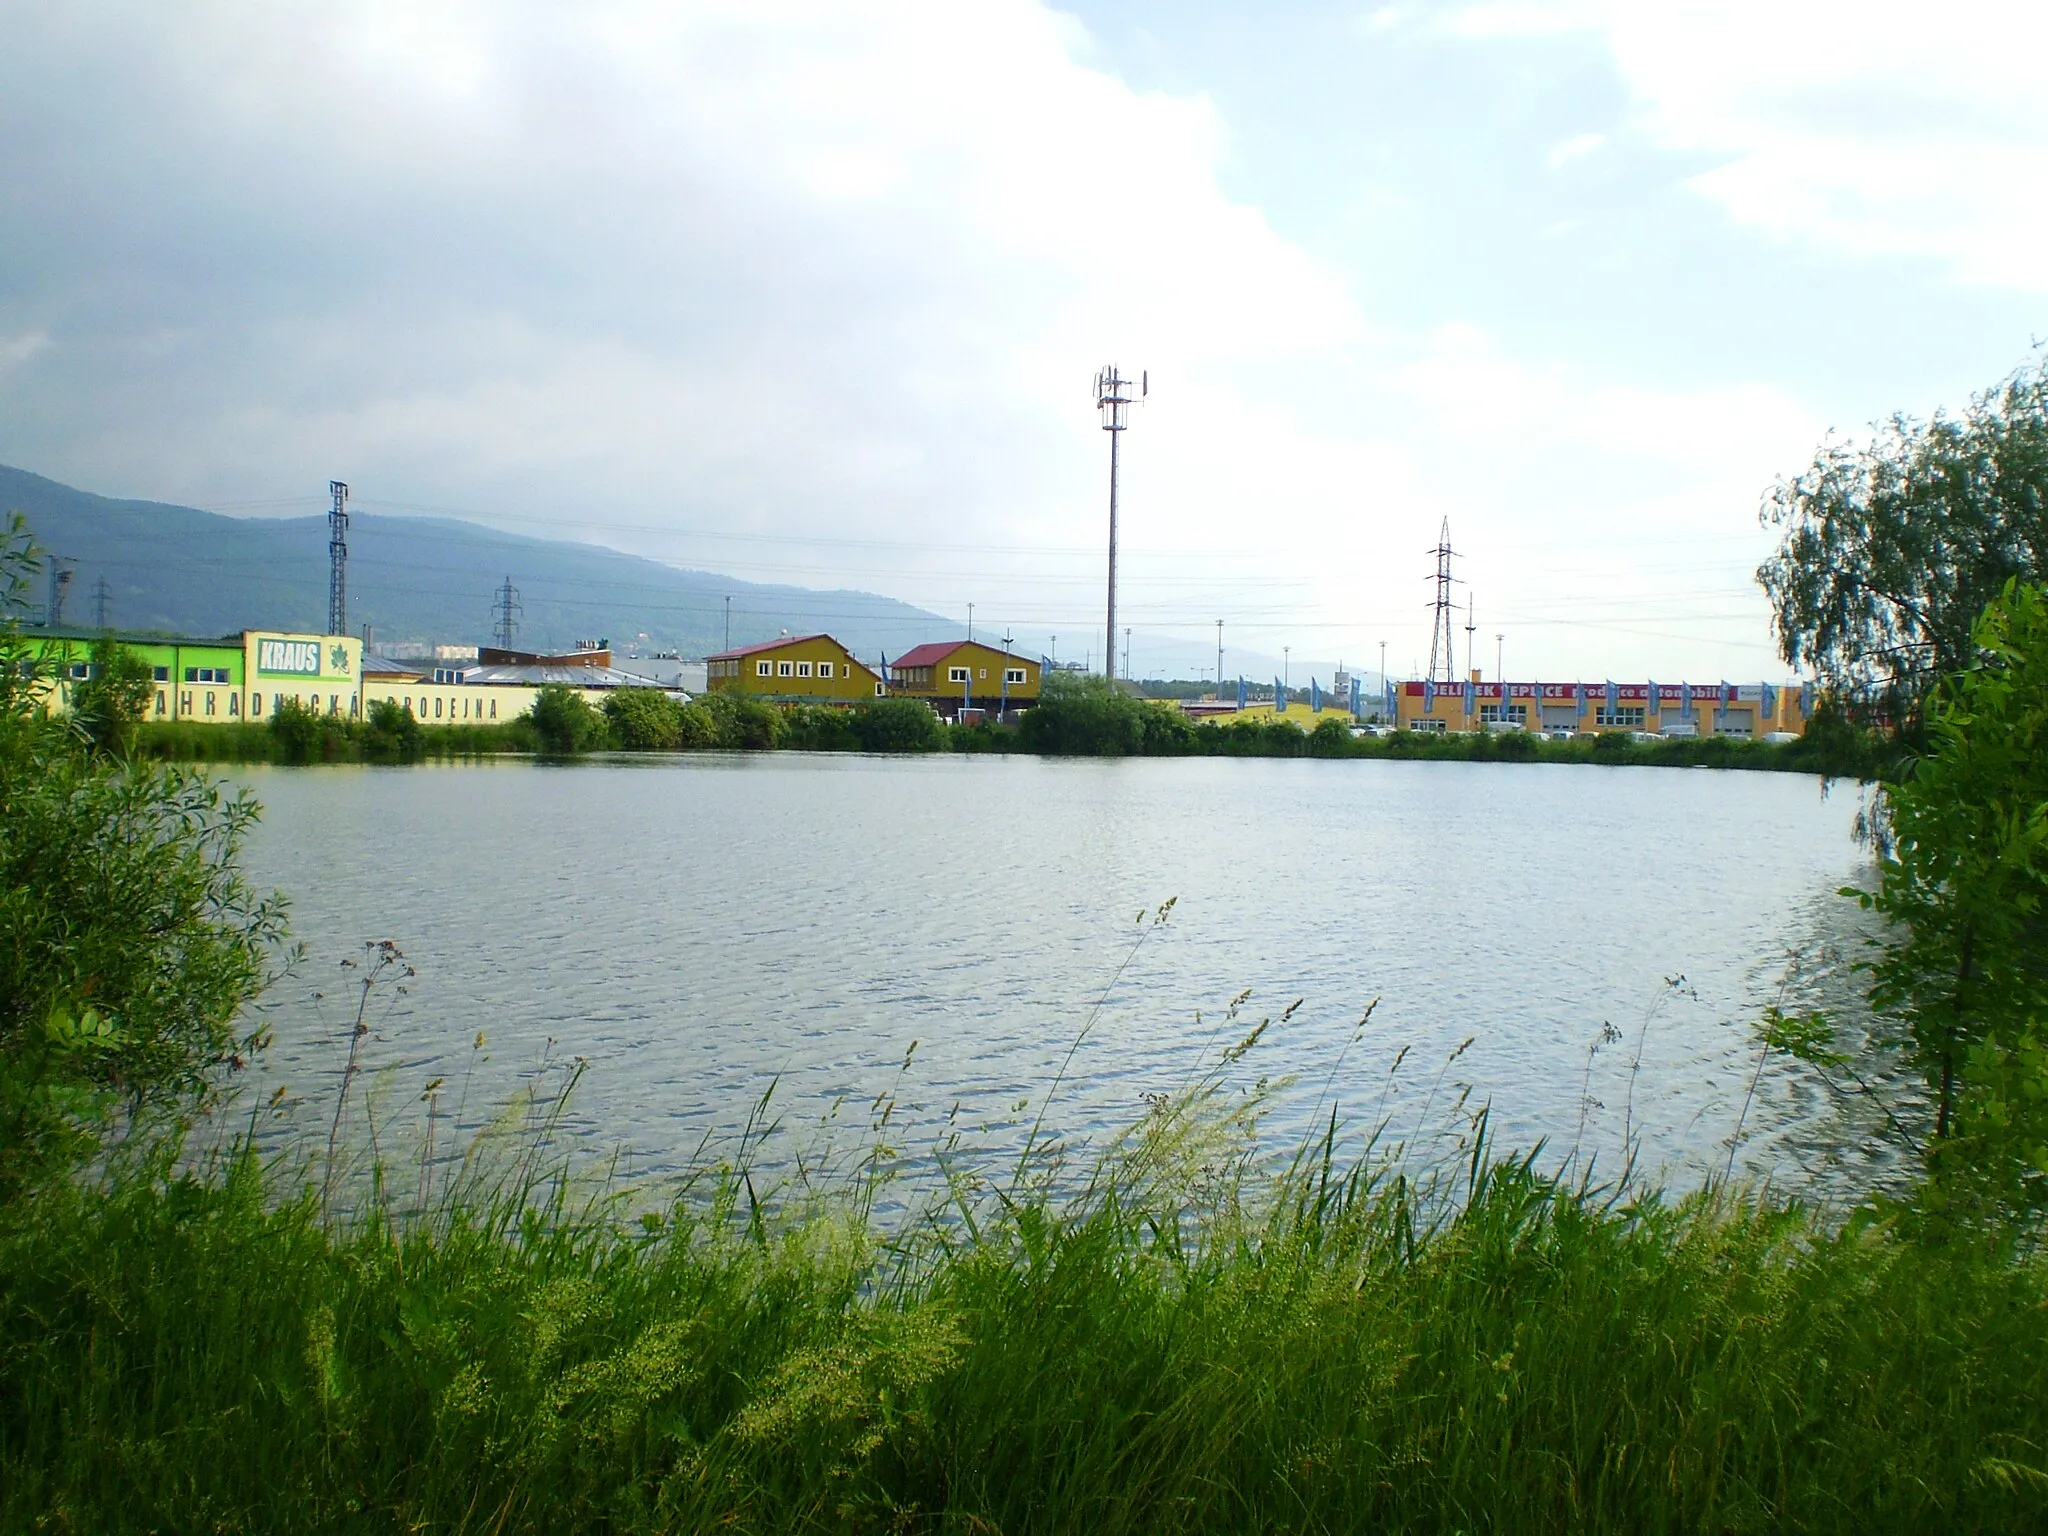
[1172, 1333]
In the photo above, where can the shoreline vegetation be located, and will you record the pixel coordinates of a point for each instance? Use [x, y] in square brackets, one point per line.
[1165, 1332]
[1079, 718]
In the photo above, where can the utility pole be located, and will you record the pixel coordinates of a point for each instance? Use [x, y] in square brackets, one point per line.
[1113, 401]
[506, 629]
[337, 559]
[1443, 661]
[1055, 653]
[970, 623]
[1219, 658]
[728, 623]
[1000, 713]
[1127, 653]
[1471, 624]
[1286, 666]
[1499, 670]
[1383, 674]
[102, 600]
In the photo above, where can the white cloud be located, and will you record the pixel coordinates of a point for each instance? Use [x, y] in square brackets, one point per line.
[1855, 127]
[1577, 147]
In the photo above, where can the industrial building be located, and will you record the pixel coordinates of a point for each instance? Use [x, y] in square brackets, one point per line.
[237, 677]
[1667, 709]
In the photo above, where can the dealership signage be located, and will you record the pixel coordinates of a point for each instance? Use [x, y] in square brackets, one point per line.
[297, 658]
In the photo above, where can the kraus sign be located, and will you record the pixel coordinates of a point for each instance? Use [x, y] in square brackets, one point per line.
[288, 658]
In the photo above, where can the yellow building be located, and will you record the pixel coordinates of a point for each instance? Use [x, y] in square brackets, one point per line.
[797, 669]
[1681, 709]
[238, 677]
[952, 675]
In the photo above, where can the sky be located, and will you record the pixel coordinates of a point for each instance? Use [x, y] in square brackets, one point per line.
[815, 290]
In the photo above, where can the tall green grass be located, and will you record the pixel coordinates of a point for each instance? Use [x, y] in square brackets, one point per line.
[1164, 1338]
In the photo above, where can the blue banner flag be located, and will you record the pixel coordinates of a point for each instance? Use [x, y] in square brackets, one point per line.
[1654, 707]
[1468, 695]
[1240, 690]
[1769, 698]
[1727, 693]
[1315, 696]
[1279, 697]
[1358, 698]
[1429, 695]
[1387, 703]
[1579, 698]
[1805, 700]
[1685, 700]
[1613, 698]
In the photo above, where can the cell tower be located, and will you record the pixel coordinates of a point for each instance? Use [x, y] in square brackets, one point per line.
[506, 628]
[1443, 658]
[1113, 400]
[60, 583]
[102, 602]
[337, 559]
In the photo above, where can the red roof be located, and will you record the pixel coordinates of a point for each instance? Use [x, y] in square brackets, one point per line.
[769, 645]
[937, 651]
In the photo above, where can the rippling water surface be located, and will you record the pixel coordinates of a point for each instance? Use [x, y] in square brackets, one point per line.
[697, 928]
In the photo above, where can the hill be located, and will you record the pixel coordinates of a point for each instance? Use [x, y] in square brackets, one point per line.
[185, 571]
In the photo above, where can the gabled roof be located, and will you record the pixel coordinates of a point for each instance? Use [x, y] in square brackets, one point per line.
[768, 645]
[938, 650]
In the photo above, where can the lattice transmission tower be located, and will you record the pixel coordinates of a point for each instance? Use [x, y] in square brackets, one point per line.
[1443, 643]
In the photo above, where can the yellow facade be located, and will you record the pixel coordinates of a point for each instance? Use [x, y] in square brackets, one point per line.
[1743, 710]
[950, 673]
[464, 703]
[804, 669]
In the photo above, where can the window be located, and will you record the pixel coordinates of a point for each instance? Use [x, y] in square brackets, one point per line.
[803, 669]
[764, 669]
[983, 674]
[206, 674]
[1517, 714]
[447, 674]
[1621, 714]
[878, 690]
[161, 674]
[783, 669]
[956, 674]
[1014, 675]
[79, 669]
[824, 669]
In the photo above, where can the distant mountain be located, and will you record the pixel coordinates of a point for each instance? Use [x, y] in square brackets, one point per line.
[185, 571]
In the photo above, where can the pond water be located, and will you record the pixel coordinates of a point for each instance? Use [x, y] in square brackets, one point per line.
[696, 929]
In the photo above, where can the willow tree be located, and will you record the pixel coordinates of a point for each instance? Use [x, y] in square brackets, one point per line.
[1893, 547]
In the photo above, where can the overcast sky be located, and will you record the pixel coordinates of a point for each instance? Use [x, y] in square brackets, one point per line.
[813, 290]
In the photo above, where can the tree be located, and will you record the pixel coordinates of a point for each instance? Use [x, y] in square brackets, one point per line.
[564, 722]
[896, 725]
[1083, 716]
[129, 940]
[391, 734]
[113, 698]
[1892, 548]
[644, 719]
[1964, 884]
[744, 725]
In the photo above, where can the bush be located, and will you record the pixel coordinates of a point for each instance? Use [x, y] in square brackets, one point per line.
[1079, 716]
[1331, 738]
[110, 703]
[896, 725]
[817, 728]
[744, 724]
[696, 727]
[644, 720]
[129, 942]
[305, 735]
[391, 734]
[563, 723]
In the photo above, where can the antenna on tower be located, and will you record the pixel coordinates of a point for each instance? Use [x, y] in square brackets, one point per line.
[1443, 658]
[506, 629]
[1114, 400]
[337, 559]
[60, 583]
[102, 602]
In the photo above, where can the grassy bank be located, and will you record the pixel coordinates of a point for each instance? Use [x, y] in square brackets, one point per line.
[183, 741]
[1156, 1354]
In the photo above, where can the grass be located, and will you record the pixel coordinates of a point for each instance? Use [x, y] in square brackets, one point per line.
[1164, 1339]
[184, 741]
